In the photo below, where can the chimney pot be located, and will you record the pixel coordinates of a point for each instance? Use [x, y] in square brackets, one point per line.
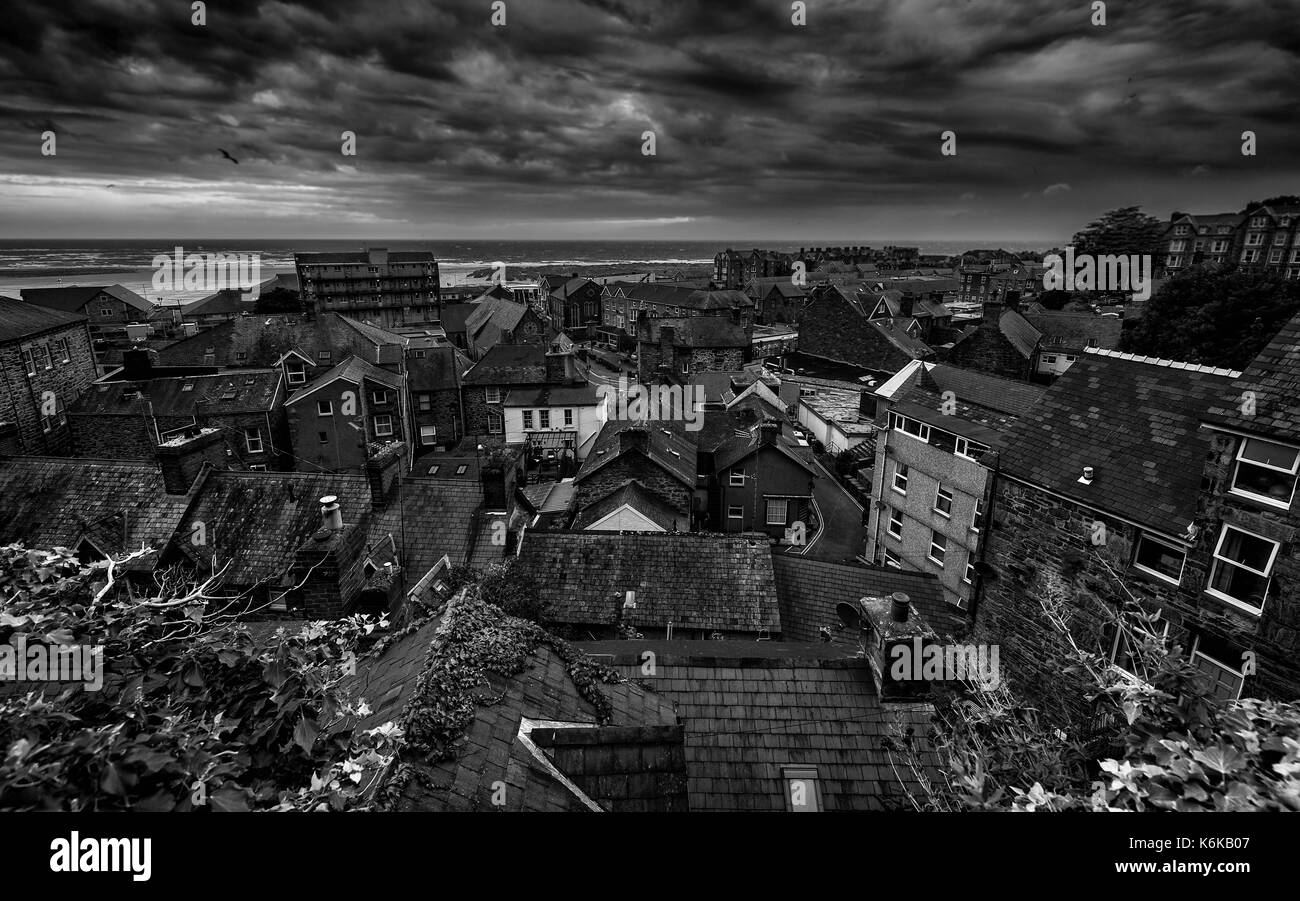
[899, 607]
[331, 515]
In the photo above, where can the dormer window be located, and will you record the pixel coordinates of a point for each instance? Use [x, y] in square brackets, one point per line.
[297, 372]
[1266, 472]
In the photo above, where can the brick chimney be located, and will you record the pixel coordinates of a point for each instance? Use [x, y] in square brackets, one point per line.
[383, 469]
[634, 438]
[499, 473]
[560, 367]
[906, 303]
[768, 431]
[181, 459]
[992, 311]
[328, 564]
[886, 623]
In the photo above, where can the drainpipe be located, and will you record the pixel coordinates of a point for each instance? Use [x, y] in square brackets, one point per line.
[977, 588]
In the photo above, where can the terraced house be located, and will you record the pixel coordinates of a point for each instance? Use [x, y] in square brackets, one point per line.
[1172, 489]
[46, 362]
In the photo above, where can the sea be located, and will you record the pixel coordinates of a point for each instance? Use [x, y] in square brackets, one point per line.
[47, 263]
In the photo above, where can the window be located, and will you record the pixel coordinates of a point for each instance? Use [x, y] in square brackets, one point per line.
[428, 435]
[1177, 245]
[943, 502]
[494, 422]
[528, 419]
[801, 794]
[913, 427]
[1266, 472]
[253, 440]
[938, 547]
[1275, 256]
[971, 450]
[65, 355]
[324, 408]
[383, 425]
[1174, 261]
[1259, 222]
[1159, 558]
[969, 576]
[1242, 564]
[43, 357]
[55, 420]
[1254, 239]
[776, 511]
[892, 559]
[297, 373]
[105, 311]
[324, 437]
[433, 470]
[379, 397]
[424, 402]
[1225, 682]
[1049, 359]
[492, 395]
[1218, 246]
[324, 356]
[735, 512]
[736, 478]
[1279, 238]
[1180, 230]
[29, 361]
[900, 478]
[462, 469]
[544, 418]
[1249, 256]
[895, 523]
[568, 417]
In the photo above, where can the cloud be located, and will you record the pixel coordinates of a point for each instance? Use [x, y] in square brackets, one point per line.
[1058, 188]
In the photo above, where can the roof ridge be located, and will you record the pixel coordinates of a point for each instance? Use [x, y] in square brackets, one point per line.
[1161, 361]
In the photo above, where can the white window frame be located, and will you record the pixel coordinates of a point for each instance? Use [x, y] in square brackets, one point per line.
[495, 422]
[1137, 547]
[1197, 652]
[379, 397]
[939, 494]
[735, 512]
[296, 376]
[892, 559]
[977, 516]
[1260, 498]
[428, 437]
[1113, 657]
[492, 395]
[385, 430]
[895, 516]
[568, 417]
[935, 538]
[29, 361]
[1218, 560]
[901, 422]
[900, 471]
[252, 436]
[527, 418]
[968, 576]
[736, 478]
[785, 511]
[543, 419]
[65, 352]
[324, 408]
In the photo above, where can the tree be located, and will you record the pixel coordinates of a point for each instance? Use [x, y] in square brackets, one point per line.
[1217, 317]
[192, 713]
[1279, 200]
[1181, 748]
[1127, 230]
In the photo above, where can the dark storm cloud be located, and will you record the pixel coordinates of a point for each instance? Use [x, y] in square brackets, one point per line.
[465, 127]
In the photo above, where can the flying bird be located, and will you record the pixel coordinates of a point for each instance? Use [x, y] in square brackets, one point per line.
[229, 157]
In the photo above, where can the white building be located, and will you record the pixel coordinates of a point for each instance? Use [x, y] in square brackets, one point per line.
[555, 418]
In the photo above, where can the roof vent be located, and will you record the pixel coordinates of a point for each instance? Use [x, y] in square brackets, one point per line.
[1086, 478]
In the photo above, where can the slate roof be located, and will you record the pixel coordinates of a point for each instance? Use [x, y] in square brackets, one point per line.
[1061, 328]
[504, 314]
[241, 391]
[749, 709]
[439, 368]
[635, 495]
[226, 301]
[633, 761]
[1274, 377]
[264, 345]
[694, 580]
[72, 299]
[808, 591]
[1020, 332]
[989, 391]
[666, 444]
[509, 364]
[19, 319]
[437, 517]
[1135, 423]
[47, 501]
[737, 448]
[675, 295]
[455, 315]
[353, 370]
[583, 395]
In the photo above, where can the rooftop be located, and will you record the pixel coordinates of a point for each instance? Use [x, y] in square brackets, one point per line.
[1274, 378]
[19, 319]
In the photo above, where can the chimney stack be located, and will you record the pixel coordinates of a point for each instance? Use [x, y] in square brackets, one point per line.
[182, 459]
[137, 365]
[895, 641]
[383, 469]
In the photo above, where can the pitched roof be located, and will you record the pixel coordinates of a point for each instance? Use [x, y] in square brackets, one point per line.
[56, 502]
[502, 312]
[439, 368]
[455, 315]
[1070, 329]
[240, 391]
[989, 391]
[624, 755]
[353, 370]
[665, 443]
[1020, 332]
[1274, 377]
[583, 395]
[263, 340]
[691, 579]
[509, 364]
[635, 495]
[808, 591]
[676, 295]
[751, 709]
[72, 299]
[19, 319]
[226, 301]
[1135, 423]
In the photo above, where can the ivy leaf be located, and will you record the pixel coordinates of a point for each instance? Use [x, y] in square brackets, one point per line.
[111, 781]
[305, 734]
[229, 799]
[61, 636]
[1221, 760]
[193, 676]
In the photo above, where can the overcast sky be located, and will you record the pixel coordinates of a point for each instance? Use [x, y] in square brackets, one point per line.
[763, 129]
